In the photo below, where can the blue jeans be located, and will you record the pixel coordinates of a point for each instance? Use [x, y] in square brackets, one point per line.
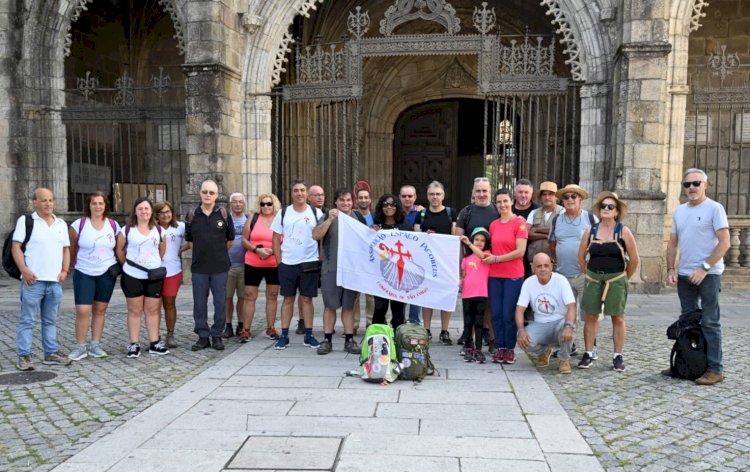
[414, 313]
[217, 284]
[503, 298]
[44, 298]
[708, 295]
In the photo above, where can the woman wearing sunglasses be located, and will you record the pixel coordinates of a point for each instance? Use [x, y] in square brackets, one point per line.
[609, 256]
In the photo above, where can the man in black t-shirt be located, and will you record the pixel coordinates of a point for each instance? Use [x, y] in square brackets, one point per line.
[480, 213]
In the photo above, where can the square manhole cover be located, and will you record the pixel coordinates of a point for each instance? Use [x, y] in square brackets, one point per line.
[287, 452]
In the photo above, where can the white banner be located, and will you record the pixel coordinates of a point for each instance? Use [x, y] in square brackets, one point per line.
[409, 267]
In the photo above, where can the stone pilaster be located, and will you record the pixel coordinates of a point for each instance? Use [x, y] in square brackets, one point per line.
[257, 162]
[594, 129]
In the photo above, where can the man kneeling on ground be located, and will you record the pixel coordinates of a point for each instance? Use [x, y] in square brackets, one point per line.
[554, 306]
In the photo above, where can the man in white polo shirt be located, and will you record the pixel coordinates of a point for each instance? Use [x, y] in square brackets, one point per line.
[44, 267]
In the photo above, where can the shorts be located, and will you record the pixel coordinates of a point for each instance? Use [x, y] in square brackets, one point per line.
[254, 275]
[617, 295]
[171, 285]
[236, 282]
[88, 289]
[292, 278]
[335, 297]
[133, 287]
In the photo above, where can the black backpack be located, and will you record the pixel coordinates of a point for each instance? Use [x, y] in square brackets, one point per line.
[9, 264]
[688, 359]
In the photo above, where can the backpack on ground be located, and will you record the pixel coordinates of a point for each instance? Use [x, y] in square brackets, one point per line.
[378, 359]
[9, 264]
[688, 359]
[413, 349]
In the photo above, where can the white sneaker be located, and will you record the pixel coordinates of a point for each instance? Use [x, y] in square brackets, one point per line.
[594, 354]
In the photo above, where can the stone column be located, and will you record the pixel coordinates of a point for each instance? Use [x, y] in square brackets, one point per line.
[594, 129]
[257, 162]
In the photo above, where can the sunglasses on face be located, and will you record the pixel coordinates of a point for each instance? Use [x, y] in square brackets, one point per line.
[266, 204]
[389, 205]
[208, 192]
[570, 196]
[165, 212]
[607, 206]
[694, 183]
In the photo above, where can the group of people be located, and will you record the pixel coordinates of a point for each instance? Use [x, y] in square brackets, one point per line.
[532, 268]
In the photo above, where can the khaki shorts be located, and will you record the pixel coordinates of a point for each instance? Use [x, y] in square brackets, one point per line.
[617, 295]
[236, 282]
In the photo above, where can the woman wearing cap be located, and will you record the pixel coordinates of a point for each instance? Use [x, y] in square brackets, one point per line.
[609, 255]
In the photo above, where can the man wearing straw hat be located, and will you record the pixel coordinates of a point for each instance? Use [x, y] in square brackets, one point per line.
[539, 220]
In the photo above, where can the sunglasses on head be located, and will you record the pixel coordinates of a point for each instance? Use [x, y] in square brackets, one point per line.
[266, 204]
[570, 196]
[694, 183]
[481, 179]
[389, 205]
[607, 206]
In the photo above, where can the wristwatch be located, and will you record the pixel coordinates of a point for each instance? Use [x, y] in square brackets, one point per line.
[706, 266]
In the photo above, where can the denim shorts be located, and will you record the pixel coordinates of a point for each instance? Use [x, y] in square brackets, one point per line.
[88, 289]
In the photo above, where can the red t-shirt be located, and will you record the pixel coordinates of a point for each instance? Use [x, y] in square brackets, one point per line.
[503, 237]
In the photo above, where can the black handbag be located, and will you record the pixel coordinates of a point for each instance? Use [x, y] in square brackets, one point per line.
[115, 270]
[311, 266]
[153, 274]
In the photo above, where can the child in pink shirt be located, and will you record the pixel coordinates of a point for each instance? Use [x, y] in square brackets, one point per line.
[474, 275]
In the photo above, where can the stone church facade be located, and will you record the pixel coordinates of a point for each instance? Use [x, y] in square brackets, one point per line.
[152, 97]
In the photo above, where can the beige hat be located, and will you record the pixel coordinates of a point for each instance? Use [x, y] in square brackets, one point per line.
[546, 187]
[573, 188]
[622, 208]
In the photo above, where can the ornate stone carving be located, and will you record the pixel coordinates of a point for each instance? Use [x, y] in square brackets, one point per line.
[80, 6]
[568, 39]
[174, 15]
[727, 96]
[358, 23]
[403, 11]
[420, 45]
[284, 46]
[457, 76]
[251, 21]
[723, 65]
[698, 7]
[484, 19]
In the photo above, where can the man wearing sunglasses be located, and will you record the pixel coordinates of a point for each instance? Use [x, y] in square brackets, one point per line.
[701, 230]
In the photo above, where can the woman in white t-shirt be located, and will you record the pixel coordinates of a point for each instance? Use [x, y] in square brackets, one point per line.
[141, 242]
[92, 250]
[173, 232]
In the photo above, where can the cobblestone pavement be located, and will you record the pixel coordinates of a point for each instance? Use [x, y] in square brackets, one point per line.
[639, 420]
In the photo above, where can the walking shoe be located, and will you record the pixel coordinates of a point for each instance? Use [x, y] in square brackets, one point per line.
[217, 343]
[325, 347]
[586, 361]
[491, 348]
[170, 340]
[479, 357]
[445, 338]
[281, 343]
[510, 356]
[710, 378]
[499, 356]
[574, 350]
[352, 347]
[462, 352]
[244, 336]
[429, 335]
[25, 363]
[201, 343]
[564, 366]
[158, 348]
[543, 359]
[78, 353]
[594, 353]
[95, 350]
[461, 340]
[618, 364]
[55, 358]
[469, 355]
[228, 333]
[271, 333]
[300, 326]
[667, 372]
[134, 350]
[310, 341]
[487, 340]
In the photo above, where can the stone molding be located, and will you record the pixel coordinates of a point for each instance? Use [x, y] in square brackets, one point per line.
[568, 38]
[401, 12]
[591, 90]
[644, 49]
[78, 8]
[210, 67]
[174, 15]
[284, 48]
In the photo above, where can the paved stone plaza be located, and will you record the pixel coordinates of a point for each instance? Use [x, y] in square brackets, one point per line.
[249, 406]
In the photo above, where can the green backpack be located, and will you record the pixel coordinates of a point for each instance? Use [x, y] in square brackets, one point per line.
[378, 362]
[413, 349]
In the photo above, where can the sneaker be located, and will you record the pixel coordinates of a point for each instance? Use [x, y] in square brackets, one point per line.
[282, 342]
[158, 348]
[244, 336]
[479, 357]
[217, 343]
[499, 356]
[510, 356]
[586, 361]
[487, 340]
[469, 355]
[564, 366]
[445, 338]
[25, 363]
[352, 347]
[543, 359]
[429, 335]
[300, 326]
[310, 341]
[594, 353]
[134, 350]
[78, 353]
[324, 348]
[170, 340]
[461, 340]
[618, 364]
[462, 352]
[574, 350]
[228, 333]
[710, 378]
[271, 333]
[491, 348]
[201, 343]
[95, 350]
[55, 358]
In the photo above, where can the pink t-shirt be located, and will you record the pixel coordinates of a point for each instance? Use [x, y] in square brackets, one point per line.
[261, 234]
[475, 277]
[503, 237]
